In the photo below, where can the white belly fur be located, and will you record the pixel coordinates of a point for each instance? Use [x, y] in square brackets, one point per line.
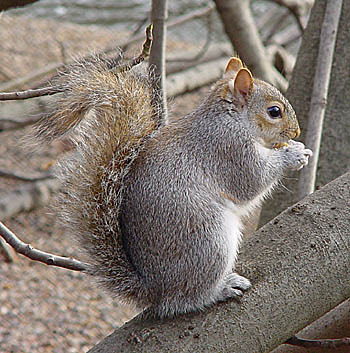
[232, 225]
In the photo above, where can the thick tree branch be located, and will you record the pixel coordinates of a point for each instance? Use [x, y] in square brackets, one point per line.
[38, 255]
[242, 31]
[318, 104]
[298, 264]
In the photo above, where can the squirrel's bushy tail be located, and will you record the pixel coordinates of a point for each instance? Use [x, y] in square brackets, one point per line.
[110, 115]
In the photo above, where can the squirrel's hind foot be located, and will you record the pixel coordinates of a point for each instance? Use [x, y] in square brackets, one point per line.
[234, 286]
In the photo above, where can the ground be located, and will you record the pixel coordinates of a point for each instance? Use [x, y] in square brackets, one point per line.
[48, 309]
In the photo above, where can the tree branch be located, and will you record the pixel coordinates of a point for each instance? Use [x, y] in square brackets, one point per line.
[53, 90]
[299, 268]
[320, 343]
[159, 16]
[242, 31]
[38, 255]
[30, 93]
[307, 177]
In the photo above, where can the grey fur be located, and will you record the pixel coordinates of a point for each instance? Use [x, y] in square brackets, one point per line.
[163, 231]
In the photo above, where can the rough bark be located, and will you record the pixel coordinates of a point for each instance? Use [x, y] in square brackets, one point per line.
[319, 96]
[335, 145]
[335, 324]
[298, 264]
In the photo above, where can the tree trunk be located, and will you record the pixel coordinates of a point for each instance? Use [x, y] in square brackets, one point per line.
[299, 266]
[335, 145]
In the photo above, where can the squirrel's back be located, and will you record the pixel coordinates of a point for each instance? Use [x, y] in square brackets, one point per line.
[158, 207]
[110, 115]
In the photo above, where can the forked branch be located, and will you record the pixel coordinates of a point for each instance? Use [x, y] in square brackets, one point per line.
[38, 255]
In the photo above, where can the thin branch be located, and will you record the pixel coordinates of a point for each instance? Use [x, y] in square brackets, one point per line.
[38, 255]
[30, 93]
[53, 90]
[320, 343]
[172, 23]
[15, 176]
[159, 16]
[135, 33]
[318, 103]
[146, 48]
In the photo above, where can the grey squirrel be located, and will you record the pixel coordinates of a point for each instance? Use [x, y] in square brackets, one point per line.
[158, 206]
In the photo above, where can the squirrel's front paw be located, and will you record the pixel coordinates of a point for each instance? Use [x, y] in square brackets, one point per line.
[297, 156]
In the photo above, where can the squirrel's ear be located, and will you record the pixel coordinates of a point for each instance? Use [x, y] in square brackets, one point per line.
[243, 84]
[232, 67]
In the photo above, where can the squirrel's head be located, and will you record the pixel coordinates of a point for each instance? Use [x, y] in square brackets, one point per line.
[269, 113]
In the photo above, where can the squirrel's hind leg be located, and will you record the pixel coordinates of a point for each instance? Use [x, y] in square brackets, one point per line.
[233, 286]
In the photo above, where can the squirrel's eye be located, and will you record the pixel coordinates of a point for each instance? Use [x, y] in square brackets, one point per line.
[274, 112]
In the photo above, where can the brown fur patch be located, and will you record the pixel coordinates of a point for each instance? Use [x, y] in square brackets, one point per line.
[229, 197]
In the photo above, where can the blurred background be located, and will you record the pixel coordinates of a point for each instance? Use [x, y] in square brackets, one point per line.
[46, 309]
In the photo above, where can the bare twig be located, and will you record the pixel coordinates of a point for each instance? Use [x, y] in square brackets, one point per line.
[173, 23]
[320, 343]
[53, 90]
[318, 103]
[134, 33]
[9, 175]
[38, 255]
[159, 16]
[285, 37]
[146, 48]
[30, 93]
